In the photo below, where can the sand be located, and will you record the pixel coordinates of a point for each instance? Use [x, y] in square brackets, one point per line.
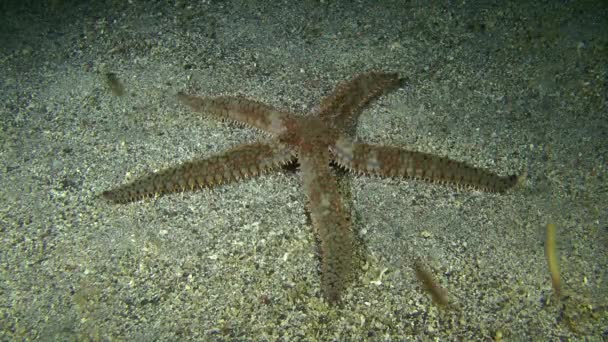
[512, 88]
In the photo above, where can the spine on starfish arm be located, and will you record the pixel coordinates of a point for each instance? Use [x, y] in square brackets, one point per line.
[397, 162]
[249, 112]
[241, 162]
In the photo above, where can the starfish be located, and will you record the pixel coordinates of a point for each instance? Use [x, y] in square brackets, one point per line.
[316, 141]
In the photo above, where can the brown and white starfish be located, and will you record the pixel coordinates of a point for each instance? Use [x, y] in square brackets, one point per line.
[316, 141]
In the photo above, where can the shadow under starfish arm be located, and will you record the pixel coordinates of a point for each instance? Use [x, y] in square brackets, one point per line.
[239, 163]
[386, 161]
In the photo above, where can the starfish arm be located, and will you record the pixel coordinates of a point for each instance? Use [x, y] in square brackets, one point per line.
[249, 112]
[239, 163]
[341, 108]
[396, 162]
[330, 221]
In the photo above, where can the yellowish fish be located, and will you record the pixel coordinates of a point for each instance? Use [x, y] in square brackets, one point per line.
[552, 257]
[438, 294]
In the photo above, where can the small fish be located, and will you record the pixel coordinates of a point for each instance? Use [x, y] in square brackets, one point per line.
[114, 83]
[552, 257]
[438, 294]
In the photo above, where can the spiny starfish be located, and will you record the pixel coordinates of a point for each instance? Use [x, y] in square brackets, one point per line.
[315, 140]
